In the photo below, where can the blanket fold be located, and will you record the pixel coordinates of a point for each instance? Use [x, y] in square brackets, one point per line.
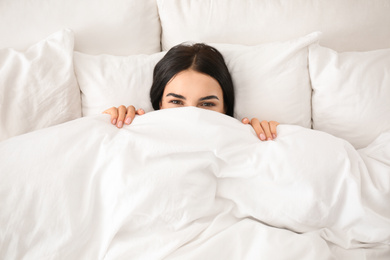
[189, 183]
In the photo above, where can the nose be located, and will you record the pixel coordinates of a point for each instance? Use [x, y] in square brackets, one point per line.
[190, 105]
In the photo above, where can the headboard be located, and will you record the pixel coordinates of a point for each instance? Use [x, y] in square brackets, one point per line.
[124, 27]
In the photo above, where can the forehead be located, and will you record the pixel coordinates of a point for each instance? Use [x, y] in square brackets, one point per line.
[190, 81]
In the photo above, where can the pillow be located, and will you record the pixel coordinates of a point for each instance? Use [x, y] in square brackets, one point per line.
[120, 27]
[347, 25]
[106, 80]
[38, 87]
[271, 80]
[351, 93]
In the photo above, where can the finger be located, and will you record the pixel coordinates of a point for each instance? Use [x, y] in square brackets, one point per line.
[265, 125]
[273, 125]
[140, 111]
[130, 115]
[258, 129]
[245, 121]
[121, 116]
[114, 114]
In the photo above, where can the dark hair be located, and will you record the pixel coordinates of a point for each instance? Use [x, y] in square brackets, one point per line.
[199, 57]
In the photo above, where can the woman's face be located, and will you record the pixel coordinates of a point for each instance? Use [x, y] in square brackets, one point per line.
[192, 88]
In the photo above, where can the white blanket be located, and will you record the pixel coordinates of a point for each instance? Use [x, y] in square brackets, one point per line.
[189, 183]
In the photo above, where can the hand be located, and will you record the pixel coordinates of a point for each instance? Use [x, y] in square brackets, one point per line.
[122, 115]
[264, 130]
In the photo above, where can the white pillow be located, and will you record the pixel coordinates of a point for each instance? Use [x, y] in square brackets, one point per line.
[38, 87]
[346, 25]
[351, 93]
[106, 80]
[271, 80]
[120, 27]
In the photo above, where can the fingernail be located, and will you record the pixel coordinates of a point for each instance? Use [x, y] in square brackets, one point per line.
[114, 121]
[269, 139]
[128, 120]
[120, 124]
[262, 137]
[274, 136]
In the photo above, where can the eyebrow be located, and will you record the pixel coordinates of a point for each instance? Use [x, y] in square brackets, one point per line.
[201, 99]
[176, 96]
[209, 97]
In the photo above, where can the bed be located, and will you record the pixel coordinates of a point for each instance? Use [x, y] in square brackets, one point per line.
[188, 183]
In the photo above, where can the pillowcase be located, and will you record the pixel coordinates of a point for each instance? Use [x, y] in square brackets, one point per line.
[106, 81]
[120, 27]
[271, 80]
[38, 87]
[351, 93]
[347, 25]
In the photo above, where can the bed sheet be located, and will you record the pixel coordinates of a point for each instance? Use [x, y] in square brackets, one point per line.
[187, 183]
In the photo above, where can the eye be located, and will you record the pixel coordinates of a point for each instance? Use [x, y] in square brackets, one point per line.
[176, 102]
[207, 104]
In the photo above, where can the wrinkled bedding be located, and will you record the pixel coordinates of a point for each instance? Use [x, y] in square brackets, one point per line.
[188, 183]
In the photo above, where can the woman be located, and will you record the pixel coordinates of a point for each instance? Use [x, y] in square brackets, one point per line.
[192, 75]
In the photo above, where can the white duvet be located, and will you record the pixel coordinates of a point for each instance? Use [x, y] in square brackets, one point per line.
[191, 184]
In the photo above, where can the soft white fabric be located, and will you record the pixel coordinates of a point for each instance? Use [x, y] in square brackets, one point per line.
[271, 80]
[107, 80]
[38, 87]
[120, 27]
[348, 25]
[171, 186]
[351, 93]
